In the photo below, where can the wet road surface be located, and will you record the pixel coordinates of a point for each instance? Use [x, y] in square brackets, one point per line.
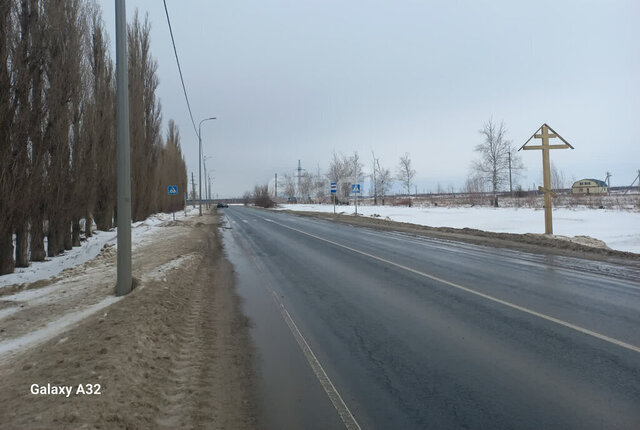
[419, 333]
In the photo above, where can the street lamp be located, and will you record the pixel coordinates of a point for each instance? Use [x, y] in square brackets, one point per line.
[200, 159]
[124, 279]
[206, 189]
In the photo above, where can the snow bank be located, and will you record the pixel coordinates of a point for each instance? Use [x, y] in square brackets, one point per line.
[88, 250]
[617, 228]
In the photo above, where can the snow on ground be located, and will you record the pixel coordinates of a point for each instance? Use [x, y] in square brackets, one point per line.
[87, 251]
[618, 229]
[57, 326]
[52, 266]
[31, 316]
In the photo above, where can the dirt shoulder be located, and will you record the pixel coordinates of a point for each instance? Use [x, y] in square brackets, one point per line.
[536, 243]
[175, 353]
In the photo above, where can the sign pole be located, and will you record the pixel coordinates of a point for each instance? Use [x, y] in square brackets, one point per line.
[355, 189]
[172, 190]
[334, 190]
[356, 202]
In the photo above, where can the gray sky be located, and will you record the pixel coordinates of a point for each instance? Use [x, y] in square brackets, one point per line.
[295, 79]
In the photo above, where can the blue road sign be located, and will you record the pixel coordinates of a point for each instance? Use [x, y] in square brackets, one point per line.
[334, 187]
[172, 190]
[355, 188]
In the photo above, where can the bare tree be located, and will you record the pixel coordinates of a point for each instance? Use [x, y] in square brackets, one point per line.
[339, 172]
[558, 180]
[374, 174]
[383, 179]
[57, 128]
[24, 131]
[289, 187]
[145, 118]
[305, 185]
[171, 170]
[100, 125]
[493, 165]
[261, 196]
[37, 30]
[405, 173]
[319, 185]
[63, 74]
[247, 198]
[474, 187]
[7, 113]
[355, 167]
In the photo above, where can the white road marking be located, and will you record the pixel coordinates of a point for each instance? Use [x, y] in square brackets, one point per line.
[336, 399]
[477, 293]
[343, 410]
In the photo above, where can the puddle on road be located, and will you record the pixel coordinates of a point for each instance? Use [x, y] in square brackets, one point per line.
[288, 393]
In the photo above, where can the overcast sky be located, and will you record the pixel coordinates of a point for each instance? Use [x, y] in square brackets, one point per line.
[295, 79]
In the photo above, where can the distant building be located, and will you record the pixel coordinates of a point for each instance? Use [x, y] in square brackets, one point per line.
[589, 186]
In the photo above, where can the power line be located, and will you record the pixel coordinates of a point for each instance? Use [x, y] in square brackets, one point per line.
[179, 68]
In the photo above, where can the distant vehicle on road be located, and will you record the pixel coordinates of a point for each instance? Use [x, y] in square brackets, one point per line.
[222, 205]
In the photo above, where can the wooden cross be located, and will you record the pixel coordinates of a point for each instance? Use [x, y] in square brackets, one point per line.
[546, 170]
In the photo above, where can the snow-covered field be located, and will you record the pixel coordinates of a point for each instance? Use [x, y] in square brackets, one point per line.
[87, 251]
[617, 228]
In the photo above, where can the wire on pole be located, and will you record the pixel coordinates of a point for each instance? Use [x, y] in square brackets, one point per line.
[175, 51]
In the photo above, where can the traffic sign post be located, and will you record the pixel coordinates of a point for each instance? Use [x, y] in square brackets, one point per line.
[172, 190]
[355, 189]
[334, 190]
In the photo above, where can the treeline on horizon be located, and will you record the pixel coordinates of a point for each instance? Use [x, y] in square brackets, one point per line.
[58, 129]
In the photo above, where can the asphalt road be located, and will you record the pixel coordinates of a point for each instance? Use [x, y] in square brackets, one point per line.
[418, 333]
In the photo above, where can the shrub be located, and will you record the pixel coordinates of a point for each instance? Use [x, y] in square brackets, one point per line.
[261, 197]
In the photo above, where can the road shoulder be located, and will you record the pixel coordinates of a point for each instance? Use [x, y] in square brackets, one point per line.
[175, 353]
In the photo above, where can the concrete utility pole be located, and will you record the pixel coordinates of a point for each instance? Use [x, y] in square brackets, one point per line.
[206, 191]
[546, 170]
[300, 170]
[375, 183]
[124, 156]
[510, 184]
[193, 191]
[200, 160]
[637, 178]
[276, 193]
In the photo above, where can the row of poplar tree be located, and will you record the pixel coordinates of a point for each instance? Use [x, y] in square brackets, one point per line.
[58, 130]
